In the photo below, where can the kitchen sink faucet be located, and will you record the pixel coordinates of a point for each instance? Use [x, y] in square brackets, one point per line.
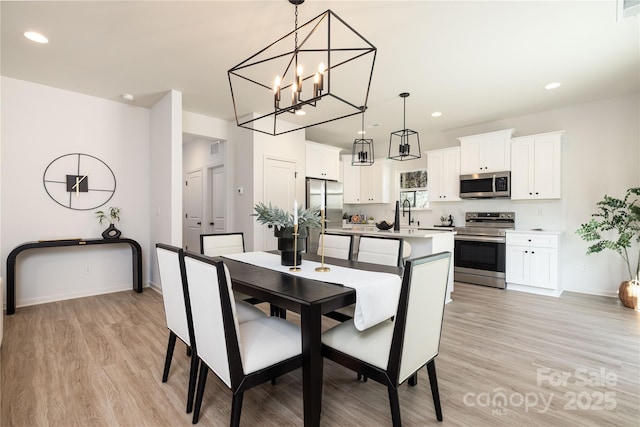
[408, 204]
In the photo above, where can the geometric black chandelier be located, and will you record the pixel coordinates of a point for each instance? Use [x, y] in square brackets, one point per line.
[400, 140]
[362, 152]
[319, 72]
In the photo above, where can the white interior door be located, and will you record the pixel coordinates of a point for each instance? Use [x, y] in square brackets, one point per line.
[192, 225]
[218, 216]
[280, 190]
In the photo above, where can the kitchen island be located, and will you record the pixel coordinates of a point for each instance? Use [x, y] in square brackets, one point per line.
[423, 241]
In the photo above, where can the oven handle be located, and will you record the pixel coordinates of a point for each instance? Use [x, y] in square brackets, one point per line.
[493, 184]
[480, 238]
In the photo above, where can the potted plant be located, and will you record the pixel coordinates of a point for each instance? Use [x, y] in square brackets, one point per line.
[371, 220]
[282, 222]
[113, 216]
[345, 218]
[615, 226]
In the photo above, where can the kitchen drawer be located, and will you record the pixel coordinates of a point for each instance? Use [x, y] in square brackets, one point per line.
[538, 240]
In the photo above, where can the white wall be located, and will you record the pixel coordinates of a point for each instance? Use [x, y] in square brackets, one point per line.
[41, 123]
[600, 155]
[165, 154]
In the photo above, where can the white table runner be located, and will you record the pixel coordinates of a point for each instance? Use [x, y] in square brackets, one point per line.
[377, 293]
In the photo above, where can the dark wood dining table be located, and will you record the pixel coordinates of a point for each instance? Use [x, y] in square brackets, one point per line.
[311, 299]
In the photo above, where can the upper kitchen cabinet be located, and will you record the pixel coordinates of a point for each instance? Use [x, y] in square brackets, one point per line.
[487, 152]
[322, 161]
[536, 166]
[443, 167]
[366, 184]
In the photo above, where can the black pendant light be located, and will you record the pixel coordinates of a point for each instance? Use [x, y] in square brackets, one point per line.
[303, 63]
[362, 153]
[400, 142]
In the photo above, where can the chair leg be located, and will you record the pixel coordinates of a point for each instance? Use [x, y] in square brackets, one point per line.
[413, 380]
[278, 312]
[433, 380]
[394, 402]
[202, 379]
[236, 409]
[167, 360]
[188, 351]
[193, 375]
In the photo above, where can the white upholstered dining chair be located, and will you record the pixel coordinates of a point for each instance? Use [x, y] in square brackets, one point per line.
[221, 243]
[380, 250]
[336, 245]
[177, 309]
[395, 350]
[241, 355]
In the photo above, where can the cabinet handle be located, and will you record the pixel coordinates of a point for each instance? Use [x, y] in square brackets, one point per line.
[526, 252]
[533, 252]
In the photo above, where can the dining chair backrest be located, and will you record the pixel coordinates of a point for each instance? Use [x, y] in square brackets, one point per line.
[174, 291]
[380, 250]
[336, 245]
[420, 312]
[221, 243]
[215, 323]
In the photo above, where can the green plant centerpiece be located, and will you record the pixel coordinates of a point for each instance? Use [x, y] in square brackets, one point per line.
[282, 222]
[615, 226]
[112, 216]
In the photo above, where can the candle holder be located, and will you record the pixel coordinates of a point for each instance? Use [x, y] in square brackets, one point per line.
[322, 268]
[295, 249]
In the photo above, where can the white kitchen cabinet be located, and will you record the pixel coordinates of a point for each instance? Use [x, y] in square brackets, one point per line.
[322, 161]
[532, 262]
[366, 184]
[487, 152]
[536, 166]
[443, 168]
[350, 181]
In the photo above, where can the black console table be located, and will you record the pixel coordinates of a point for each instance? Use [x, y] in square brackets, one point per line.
[11, 261]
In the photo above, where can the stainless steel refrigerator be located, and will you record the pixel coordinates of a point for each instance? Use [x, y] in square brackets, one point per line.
[332, 191]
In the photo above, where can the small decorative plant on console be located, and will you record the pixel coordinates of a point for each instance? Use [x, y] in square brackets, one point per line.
[283, 224]
[112, 217]
[619, 221]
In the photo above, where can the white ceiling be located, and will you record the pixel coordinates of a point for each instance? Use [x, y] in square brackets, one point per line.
[475, 61]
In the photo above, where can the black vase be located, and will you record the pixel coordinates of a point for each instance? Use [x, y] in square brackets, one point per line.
[111, 233]
[291, 250]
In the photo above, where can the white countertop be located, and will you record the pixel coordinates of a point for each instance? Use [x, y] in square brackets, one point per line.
[404, 232]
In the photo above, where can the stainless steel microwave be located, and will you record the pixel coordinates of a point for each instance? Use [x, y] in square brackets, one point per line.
[485, 185]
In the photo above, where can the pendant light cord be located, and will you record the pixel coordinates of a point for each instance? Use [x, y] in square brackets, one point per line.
[404, 114]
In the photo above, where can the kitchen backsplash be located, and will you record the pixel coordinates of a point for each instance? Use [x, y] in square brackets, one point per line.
[547, 214]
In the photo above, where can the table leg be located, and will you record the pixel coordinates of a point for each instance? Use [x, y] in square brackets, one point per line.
[11, 286]
[310, 319]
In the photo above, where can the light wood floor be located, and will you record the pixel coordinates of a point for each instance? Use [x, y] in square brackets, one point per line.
[98, 361]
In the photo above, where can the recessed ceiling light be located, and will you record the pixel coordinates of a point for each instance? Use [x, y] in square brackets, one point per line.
[553, 85]
[436, 114]
[128, 97]
[36, 37]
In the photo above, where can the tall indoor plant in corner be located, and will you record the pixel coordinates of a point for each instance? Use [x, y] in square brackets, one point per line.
[615, 226]
[282, 222]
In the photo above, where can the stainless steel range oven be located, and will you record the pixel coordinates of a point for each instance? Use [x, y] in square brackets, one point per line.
[480, 248]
